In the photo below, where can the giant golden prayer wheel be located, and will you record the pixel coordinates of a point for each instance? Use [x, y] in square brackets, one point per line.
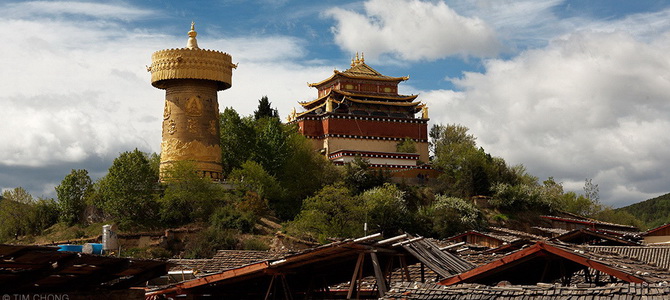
[191, 78]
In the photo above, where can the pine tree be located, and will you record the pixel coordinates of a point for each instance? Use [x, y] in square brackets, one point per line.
[265, 110]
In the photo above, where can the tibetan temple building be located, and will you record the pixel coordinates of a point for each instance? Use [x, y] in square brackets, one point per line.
[358, 112]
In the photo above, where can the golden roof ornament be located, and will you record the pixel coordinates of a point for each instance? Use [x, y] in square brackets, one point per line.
[329, 105]
[292, 116]
[192, 42]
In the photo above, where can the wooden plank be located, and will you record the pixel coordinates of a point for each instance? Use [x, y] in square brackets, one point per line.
[381, 283]
[214, 278]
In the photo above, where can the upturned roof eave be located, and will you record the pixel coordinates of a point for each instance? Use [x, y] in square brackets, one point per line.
[337, 73]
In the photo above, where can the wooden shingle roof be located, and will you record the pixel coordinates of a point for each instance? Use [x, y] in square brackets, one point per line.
[546, 262]
[224, 260]
[427, 291]
[654, 255]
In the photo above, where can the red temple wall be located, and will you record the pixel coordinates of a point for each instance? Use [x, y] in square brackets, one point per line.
[310, 127]
[375, 128]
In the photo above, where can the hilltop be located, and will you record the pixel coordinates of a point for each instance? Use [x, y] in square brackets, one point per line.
[652, 212]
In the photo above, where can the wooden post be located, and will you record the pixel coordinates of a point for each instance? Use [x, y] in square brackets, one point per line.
[287, 290]
[272, 281]
[354, 277]
[587, 275]
[389, 270]
[405, 268]
[545, 272]
[381, 283]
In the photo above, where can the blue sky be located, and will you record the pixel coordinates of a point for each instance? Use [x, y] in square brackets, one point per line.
[569, 89]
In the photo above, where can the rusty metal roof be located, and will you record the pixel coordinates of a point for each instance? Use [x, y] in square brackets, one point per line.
[45, 269]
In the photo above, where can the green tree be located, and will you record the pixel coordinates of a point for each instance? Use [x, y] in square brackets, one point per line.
[385, 209]
[21, 215]
[128, 192]
[265, 109]
[591, 191]
[360, 177]
[449, 216]
[238, 139]
[188, 197]
[468, 170]
[14, 213]
[406, 146]
[18, 194]
[332, 212]
[272, 148]
[253, 177]
[44, 213]
[304, 172]
[72, 193]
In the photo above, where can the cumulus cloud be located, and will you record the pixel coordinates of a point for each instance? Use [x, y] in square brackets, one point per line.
[76, 92]
[589, 105]
[526, 24]
[412, 30]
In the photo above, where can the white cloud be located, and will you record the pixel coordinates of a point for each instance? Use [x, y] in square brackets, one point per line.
[523, 24]
[412, 30]
[76, 92]
[31, 9]
[589, 105]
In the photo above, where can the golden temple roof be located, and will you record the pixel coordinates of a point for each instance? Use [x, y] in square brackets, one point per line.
[360, 70]
[382, 102]
[391, 100]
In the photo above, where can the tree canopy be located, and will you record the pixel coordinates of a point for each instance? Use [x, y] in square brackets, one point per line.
[265, 109]
[72, 194]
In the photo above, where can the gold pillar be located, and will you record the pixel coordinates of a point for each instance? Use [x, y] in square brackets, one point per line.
[191, 78]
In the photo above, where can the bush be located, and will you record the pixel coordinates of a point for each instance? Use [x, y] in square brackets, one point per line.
[207, 242]
[255, 244]
[227, 217]
[386, 209]
[448, 216]
[332, 212]
[189, 197]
